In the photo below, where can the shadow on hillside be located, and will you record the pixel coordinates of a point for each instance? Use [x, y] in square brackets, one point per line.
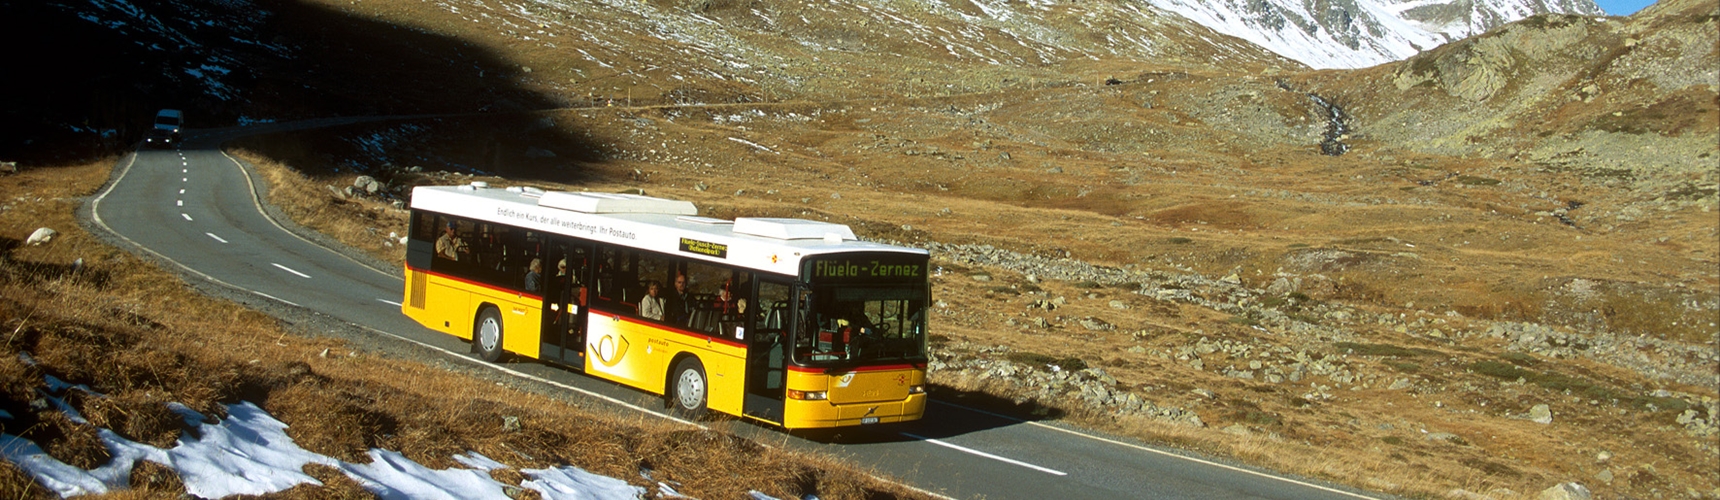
[109, 71]
[356, 66]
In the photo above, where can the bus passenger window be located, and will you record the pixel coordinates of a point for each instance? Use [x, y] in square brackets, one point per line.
[615, 277]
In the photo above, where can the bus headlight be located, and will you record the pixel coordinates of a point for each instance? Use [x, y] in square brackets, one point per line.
[916, 389]
[808, 395]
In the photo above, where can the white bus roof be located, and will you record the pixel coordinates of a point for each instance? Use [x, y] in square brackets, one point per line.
[656, 224]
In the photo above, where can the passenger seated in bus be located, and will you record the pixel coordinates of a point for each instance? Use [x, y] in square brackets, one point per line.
[450, 246]
[725, 304]
[604, 280]
[534, 276]
[732, 324]
[651, 305]
[563, 283]
[678, 306]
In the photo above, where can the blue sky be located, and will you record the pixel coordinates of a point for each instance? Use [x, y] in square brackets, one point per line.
[1623, 7]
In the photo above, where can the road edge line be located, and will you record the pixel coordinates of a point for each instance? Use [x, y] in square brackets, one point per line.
[257, 202]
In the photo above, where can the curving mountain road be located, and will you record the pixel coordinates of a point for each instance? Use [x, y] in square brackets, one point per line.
[199, 209]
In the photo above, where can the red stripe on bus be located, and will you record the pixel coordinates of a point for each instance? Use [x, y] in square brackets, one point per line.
[660, 326]
[538, 298]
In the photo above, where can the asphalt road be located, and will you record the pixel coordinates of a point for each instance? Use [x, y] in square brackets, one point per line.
[198, 209]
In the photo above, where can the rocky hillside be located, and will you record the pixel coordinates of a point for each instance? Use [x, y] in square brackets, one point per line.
[1624, 103]
[1575, 92]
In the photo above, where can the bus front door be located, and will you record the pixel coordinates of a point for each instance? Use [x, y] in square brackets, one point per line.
[564, 303]
[767, 352]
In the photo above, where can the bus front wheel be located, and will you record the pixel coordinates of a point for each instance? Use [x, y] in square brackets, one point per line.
[688, 394]
[487, 335]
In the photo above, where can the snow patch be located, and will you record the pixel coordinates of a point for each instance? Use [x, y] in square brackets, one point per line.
[250, 453]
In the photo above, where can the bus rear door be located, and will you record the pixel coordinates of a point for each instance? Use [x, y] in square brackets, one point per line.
[564, 302]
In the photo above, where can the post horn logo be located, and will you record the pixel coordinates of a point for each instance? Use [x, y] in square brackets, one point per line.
[610, 349]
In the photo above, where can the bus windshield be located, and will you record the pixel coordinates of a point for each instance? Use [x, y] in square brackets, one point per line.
[844, 326]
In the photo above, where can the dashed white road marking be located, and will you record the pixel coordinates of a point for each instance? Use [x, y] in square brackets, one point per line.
[217, 238]
[186, 216]
[181, 191]
[185, 171]
[184, 179]
[975, 452]
[389, 302]
[290, 270]
[180, 202]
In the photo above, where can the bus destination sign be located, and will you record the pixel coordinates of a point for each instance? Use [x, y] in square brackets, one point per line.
[869, 270]
[717, 250]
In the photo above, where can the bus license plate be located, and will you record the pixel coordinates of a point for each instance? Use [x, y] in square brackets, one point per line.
[868, 420]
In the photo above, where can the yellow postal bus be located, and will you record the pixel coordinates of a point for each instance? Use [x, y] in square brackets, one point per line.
[787, 321]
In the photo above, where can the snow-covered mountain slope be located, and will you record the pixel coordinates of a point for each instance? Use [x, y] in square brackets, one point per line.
[1361, 33]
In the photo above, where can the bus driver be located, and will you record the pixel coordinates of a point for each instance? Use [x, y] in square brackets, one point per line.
[450, 246]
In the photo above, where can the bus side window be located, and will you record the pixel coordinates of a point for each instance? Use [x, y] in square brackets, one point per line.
[616, 280]
[603, 273]
[524, 248]
[424, 227]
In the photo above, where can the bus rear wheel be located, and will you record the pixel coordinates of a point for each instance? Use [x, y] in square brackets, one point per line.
[487, 335]
[687, 395]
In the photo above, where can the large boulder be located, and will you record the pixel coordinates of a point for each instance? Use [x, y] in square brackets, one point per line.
[1565, 491]
[1541, 414]
[367, 183]
[41, 237]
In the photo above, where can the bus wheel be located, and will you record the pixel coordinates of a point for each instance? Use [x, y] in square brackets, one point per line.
[687, 399]
[487, 335]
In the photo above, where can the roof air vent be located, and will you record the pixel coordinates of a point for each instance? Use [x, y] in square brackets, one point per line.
[615, 203]
[793, 229]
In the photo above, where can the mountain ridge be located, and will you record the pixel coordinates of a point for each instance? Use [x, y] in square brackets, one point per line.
[1361, 33]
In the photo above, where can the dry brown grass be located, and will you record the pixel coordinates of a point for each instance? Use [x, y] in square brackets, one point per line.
[141, 338]
[360, 222]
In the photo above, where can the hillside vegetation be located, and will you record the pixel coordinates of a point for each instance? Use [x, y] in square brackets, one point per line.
[137, 339]
[1508, 279]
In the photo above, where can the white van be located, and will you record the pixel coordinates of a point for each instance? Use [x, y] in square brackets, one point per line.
[170, 120]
